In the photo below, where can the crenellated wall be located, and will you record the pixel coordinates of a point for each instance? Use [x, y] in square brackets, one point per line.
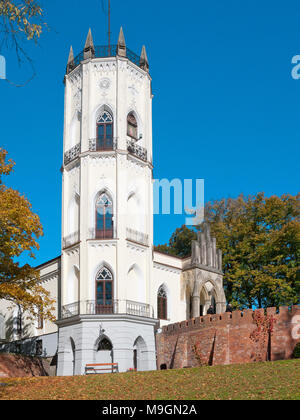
[240, 337]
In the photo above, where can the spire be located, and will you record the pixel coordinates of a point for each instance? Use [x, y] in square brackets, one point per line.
[71, 63]
[121, 48]
[89, 49]
[204, 250]
[144, 64]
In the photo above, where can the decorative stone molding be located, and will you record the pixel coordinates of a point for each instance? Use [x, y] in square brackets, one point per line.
[165, 267]
[136, 247]
[74, 250]
[205, 253]
[75, 77]
[77, 96]
[104, 68]
[134, 73]
[96, 243]
[50, 276]
[104, 84]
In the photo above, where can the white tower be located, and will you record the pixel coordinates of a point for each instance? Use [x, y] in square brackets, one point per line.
[107, 211]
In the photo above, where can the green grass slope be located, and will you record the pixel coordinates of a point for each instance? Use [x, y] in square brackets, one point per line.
[263, 381]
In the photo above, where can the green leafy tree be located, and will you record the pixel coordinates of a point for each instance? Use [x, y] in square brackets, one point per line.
[260, 240]
[179, 243]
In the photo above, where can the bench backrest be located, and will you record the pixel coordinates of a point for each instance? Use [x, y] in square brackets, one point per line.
[101, 364]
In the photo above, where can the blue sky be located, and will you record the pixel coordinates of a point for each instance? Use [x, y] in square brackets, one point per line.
[225, 106]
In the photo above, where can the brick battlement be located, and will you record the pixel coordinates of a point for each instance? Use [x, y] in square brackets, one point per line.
[229, 338]
[236, 317]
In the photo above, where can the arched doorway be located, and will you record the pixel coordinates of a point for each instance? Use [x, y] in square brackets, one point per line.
[104, 351]
[140, 360]
[202, 302]
[73, 354]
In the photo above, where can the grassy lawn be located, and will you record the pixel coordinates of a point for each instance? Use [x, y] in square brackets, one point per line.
[276, 381]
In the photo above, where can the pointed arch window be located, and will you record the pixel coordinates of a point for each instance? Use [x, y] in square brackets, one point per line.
[132, 127]
[105, 131]
[104, 292]
[104, 217]
[162, 303]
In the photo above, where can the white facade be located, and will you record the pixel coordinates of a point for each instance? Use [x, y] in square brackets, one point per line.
[111, 287]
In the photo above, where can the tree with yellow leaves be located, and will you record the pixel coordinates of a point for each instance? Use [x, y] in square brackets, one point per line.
[20, 21]
[20, 229]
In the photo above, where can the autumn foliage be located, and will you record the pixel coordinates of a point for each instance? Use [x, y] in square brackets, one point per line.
[20, 229]
[22, 17]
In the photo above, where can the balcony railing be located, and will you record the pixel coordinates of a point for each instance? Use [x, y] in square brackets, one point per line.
[71, 240]
[135, 236]
[102, 51]
[115, 307]
[101, 234]
[137, 150]
[72, 154]
[99, 145]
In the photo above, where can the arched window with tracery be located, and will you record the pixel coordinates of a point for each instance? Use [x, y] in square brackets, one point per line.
[104, 217]
[104, 292]
[105, 131]
[132, 127]
[162, 303]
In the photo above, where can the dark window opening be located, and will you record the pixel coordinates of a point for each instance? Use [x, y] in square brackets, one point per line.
[132, 127]
[104, 217]
[162, 304]
[105, 344]
[39, 347]
[104, 292]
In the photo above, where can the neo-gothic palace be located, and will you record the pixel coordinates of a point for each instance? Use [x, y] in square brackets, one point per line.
[112, 290]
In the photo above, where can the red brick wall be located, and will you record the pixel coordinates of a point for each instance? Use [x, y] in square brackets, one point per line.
[230, 338]
[16, 366]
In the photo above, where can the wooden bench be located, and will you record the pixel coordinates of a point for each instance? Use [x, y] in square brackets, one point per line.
[95, 368]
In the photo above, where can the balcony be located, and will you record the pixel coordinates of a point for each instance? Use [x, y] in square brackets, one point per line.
[138, 237]
[100, 145]
[72, 154]
[101, 234]
[117, 307]
[70, 240]
[103, 51]
[136, 150]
